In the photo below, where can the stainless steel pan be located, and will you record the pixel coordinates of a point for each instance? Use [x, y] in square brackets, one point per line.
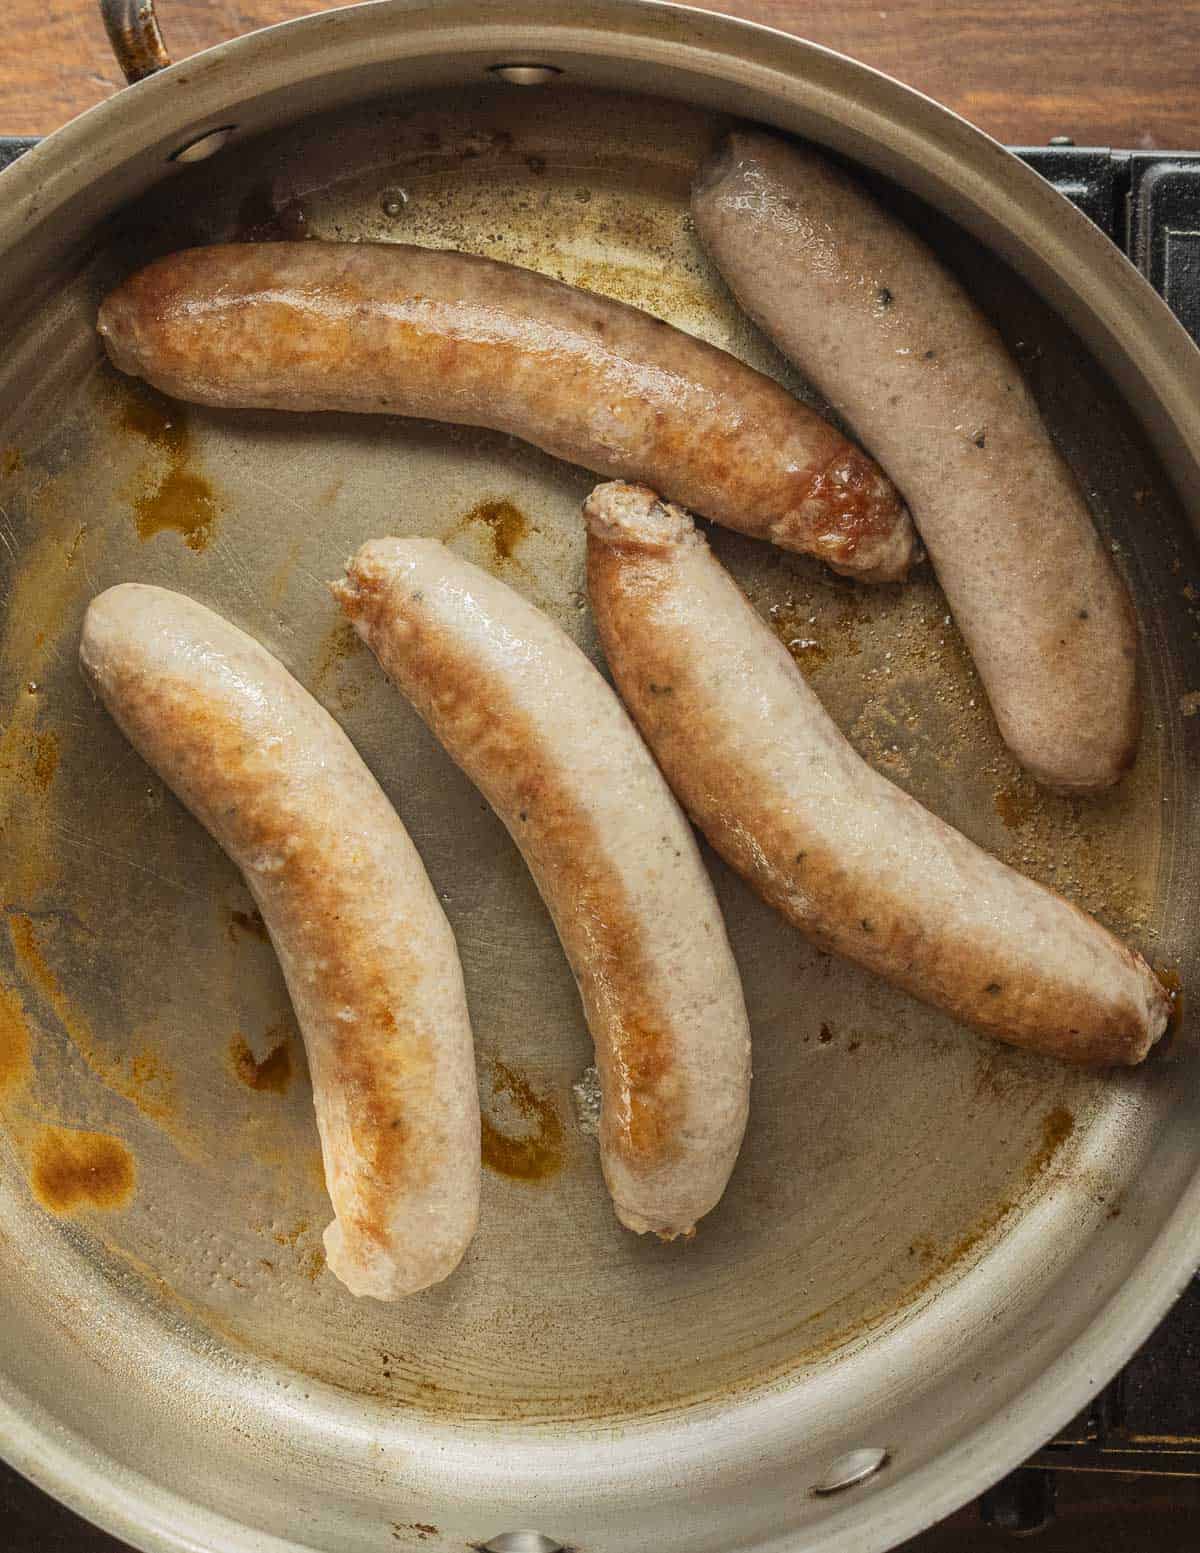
[932, 1247]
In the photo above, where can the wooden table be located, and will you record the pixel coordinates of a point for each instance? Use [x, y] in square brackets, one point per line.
[1105, 72]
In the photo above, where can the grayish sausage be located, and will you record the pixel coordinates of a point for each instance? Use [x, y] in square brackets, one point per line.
[898, 348]
[859, 866]
[368, 955]
[412, 331]
[538, 731]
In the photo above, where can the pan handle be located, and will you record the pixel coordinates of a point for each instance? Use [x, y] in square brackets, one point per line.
[132, 29]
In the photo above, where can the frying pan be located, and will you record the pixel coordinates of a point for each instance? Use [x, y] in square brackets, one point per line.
[933, 1250]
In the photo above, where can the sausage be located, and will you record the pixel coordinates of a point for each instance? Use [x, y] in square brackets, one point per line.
[855, 863]
[535, 727]
[369, 958]
[902, 353]
[452, 337]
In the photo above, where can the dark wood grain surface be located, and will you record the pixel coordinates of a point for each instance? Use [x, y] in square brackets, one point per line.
[1106, 72]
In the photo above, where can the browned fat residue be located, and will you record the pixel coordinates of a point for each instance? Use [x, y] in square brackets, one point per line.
[11, 461]
[81, 1170]
[813, 641]
[312, 1263]
[1016, 804]
[339, 644]
[177, 498]
[31, 758]
[143, 1078]
[936, 1260]
[534, 1155]
[267, 1075]
[73, 548]
[291, 1236]
[506, 524]
[29, 951]
[423, 1529]
[1170, 980]
[45, 759]
[1057, 1126]
[250, 923]
[14, 1042]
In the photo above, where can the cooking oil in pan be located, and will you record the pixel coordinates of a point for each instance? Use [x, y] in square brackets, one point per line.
[888, 1151]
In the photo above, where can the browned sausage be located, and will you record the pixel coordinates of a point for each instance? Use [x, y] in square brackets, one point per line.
[859, 866]
[410, 331]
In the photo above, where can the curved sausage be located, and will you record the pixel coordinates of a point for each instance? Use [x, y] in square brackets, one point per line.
[894, 343]
[453, 337]
[368, 955]
[857, 865]
[538, 731]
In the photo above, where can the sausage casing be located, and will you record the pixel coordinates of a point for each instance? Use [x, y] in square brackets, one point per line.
[859, 866]
[369, 958]
[532, 723]
[893, 341]
[449, 336]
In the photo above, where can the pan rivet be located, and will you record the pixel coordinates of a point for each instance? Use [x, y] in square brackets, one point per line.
[854, 1467]
[1061, 140]
[522, 1542]
[526, 75]
[204, 145]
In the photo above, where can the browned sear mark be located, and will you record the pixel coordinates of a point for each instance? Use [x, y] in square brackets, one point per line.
[181, 499]
[602, 936]
[11, 461]
[81, 1170]
[534, 1155]
[267, 1075]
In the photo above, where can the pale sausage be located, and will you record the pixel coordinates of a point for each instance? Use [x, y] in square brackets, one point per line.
[368, 955]
[900, 350]
[532, 723]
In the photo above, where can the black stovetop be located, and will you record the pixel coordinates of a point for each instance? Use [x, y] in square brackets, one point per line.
[1123, 1477]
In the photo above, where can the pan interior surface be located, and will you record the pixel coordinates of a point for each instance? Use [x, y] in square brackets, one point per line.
[906, 1190]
